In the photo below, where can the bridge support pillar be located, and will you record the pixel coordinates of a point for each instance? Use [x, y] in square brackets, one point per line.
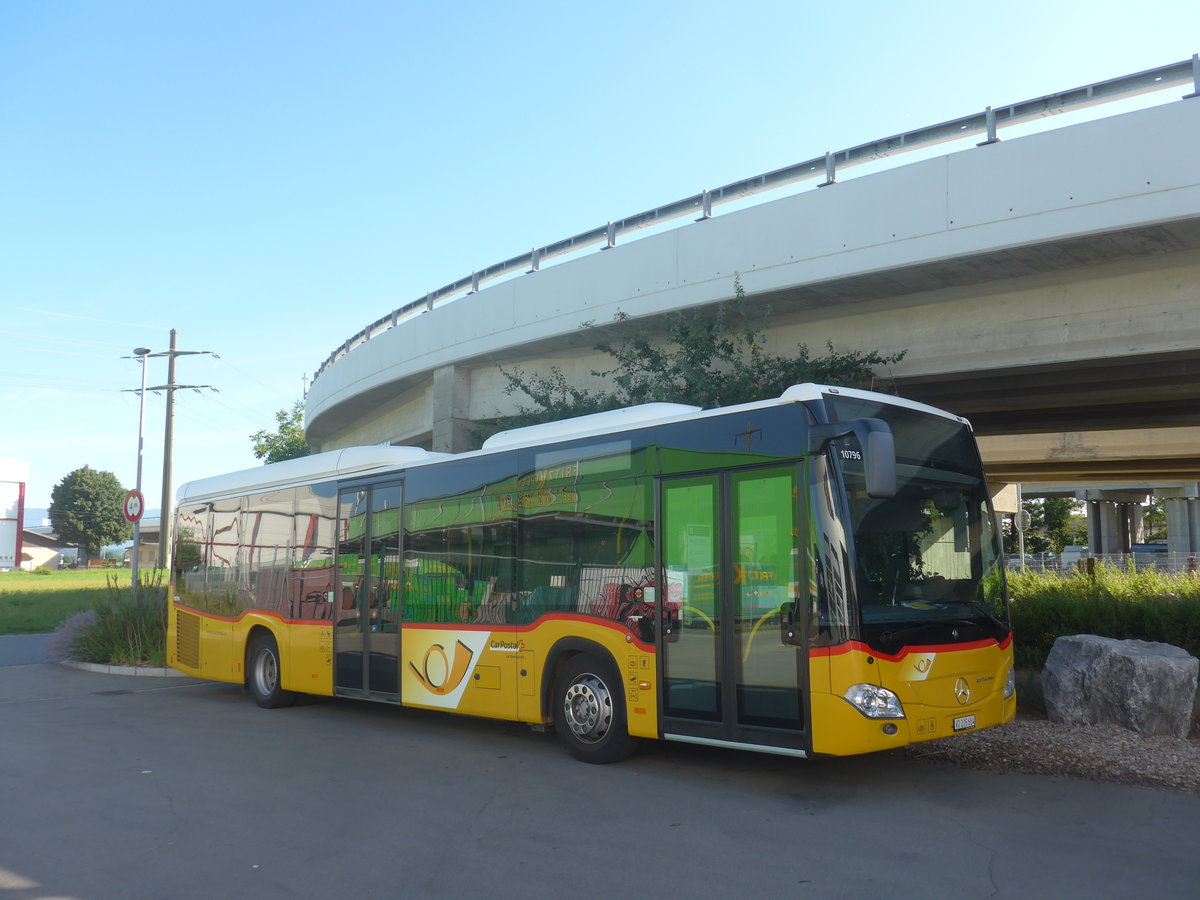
[1114, 520]
[1137, 523]
[1107, 528]
[1183, 520]
[450, 401]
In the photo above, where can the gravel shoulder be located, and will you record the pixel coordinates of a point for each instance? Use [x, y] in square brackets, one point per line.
[1037, 746]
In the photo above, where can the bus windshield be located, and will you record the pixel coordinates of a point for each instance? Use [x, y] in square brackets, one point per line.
[926, 560]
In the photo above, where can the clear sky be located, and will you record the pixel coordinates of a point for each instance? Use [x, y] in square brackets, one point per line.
[268, 177]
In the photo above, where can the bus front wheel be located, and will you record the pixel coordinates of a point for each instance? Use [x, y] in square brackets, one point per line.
[589, 711]
[263, 673]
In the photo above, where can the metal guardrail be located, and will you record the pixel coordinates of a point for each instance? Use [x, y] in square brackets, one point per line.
[987, 122]
[1173, 562]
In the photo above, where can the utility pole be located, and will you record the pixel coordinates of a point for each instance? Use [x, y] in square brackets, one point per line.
[166, 512]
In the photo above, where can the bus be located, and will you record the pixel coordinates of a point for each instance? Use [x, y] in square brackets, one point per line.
[813, 575]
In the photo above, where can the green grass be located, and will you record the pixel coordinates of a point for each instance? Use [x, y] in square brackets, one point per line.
[32, 603]
[1117, 603]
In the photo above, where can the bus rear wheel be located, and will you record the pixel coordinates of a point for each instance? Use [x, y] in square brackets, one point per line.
[263, 674]
[589, 711]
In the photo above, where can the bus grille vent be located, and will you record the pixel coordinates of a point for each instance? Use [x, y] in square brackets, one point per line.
[187, 640]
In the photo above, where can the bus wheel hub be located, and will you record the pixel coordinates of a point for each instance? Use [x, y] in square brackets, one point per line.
[588, 708]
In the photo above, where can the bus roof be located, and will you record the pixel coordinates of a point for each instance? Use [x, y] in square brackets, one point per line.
[583, 426]
[317, 467]
[353, 460]
[809, 391]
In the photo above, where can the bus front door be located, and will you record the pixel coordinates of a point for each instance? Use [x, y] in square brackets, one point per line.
[730, 569]
[366, 633]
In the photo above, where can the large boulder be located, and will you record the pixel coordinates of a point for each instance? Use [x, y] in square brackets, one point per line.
[1146, 687]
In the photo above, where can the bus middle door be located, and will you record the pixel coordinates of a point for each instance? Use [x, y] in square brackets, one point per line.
[729, 554]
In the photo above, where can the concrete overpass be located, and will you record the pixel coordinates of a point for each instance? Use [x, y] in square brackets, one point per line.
[1047, 287]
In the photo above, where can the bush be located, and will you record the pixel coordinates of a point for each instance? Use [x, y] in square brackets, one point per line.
[1116, 603]
[59, 645]
[128, 628]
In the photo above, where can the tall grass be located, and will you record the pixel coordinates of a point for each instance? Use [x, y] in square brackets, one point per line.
[127, 628]
[1117, 603]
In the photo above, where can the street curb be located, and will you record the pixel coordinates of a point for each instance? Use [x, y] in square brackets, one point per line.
[141, 671]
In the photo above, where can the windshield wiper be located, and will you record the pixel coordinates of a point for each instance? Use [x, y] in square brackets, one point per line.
[975, 605]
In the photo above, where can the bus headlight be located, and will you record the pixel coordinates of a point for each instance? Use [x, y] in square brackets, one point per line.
[1010, 684]
[874, 702]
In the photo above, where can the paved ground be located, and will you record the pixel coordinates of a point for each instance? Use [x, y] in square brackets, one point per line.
[120, 787]
[23, 649]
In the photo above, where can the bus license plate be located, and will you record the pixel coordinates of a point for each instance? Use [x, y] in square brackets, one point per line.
[964, 723]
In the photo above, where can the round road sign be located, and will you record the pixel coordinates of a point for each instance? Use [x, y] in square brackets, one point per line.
[134, 505]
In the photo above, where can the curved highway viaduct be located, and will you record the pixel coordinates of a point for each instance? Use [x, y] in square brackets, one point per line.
[1047, 287]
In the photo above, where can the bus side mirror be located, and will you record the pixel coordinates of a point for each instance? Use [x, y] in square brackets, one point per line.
[880, 464]
[878, 448]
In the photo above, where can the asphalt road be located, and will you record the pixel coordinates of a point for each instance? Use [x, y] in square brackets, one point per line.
[23, 649]
[120, 787]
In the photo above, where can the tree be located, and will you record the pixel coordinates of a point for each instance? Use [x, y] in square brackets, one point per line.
[1054, 523]
[714, 359]
[87, 508]
[1063, 522]
[286, 443]
[1155, 521]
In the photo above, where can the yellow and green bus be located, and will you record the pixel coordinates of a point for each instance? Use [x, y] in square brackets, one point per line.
[813, 575]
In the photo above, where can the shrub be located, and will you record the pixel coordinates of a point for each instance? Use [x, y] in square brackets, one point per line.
[128, 628]
[65, 633]
[1116, 603]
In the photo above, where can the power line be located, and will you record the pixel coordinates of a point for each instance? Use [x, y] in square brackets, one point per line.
[58, 352]
[40, 380]
[249, 377]
[191, 414]
[63, 315]
[231, 403]
[61, 339]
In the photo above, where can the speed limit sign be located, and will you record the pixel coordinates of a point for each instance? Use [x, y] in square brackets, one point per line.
[135, 503]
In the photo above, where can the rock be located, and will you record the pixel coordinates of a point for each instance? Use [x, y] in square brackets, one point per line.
[1146, 687]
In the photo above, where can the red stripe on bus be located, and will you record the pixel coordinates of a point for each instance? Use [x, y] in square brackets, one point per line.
[850, 646]
[438, 626]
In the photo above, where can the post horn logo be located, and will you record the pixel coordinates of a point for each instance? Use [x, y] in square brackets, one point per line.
[444, 677]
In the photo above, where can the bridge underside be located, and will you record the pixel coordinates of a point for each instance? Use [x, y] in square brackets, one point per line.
[1150, 391]
[1094, 457]
[1097, 421]
[1106, 416]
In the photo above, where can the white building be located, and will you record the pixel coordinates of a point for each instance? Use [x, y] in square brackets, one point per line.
[13, 475]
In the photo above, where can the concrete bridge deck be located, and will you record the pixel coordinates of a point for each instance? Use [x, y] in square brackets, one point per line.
[1045, 284]
[1046, 287]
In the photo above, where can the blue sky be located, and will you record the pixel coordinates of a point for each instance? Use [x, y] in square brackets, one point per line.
[270, 177]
